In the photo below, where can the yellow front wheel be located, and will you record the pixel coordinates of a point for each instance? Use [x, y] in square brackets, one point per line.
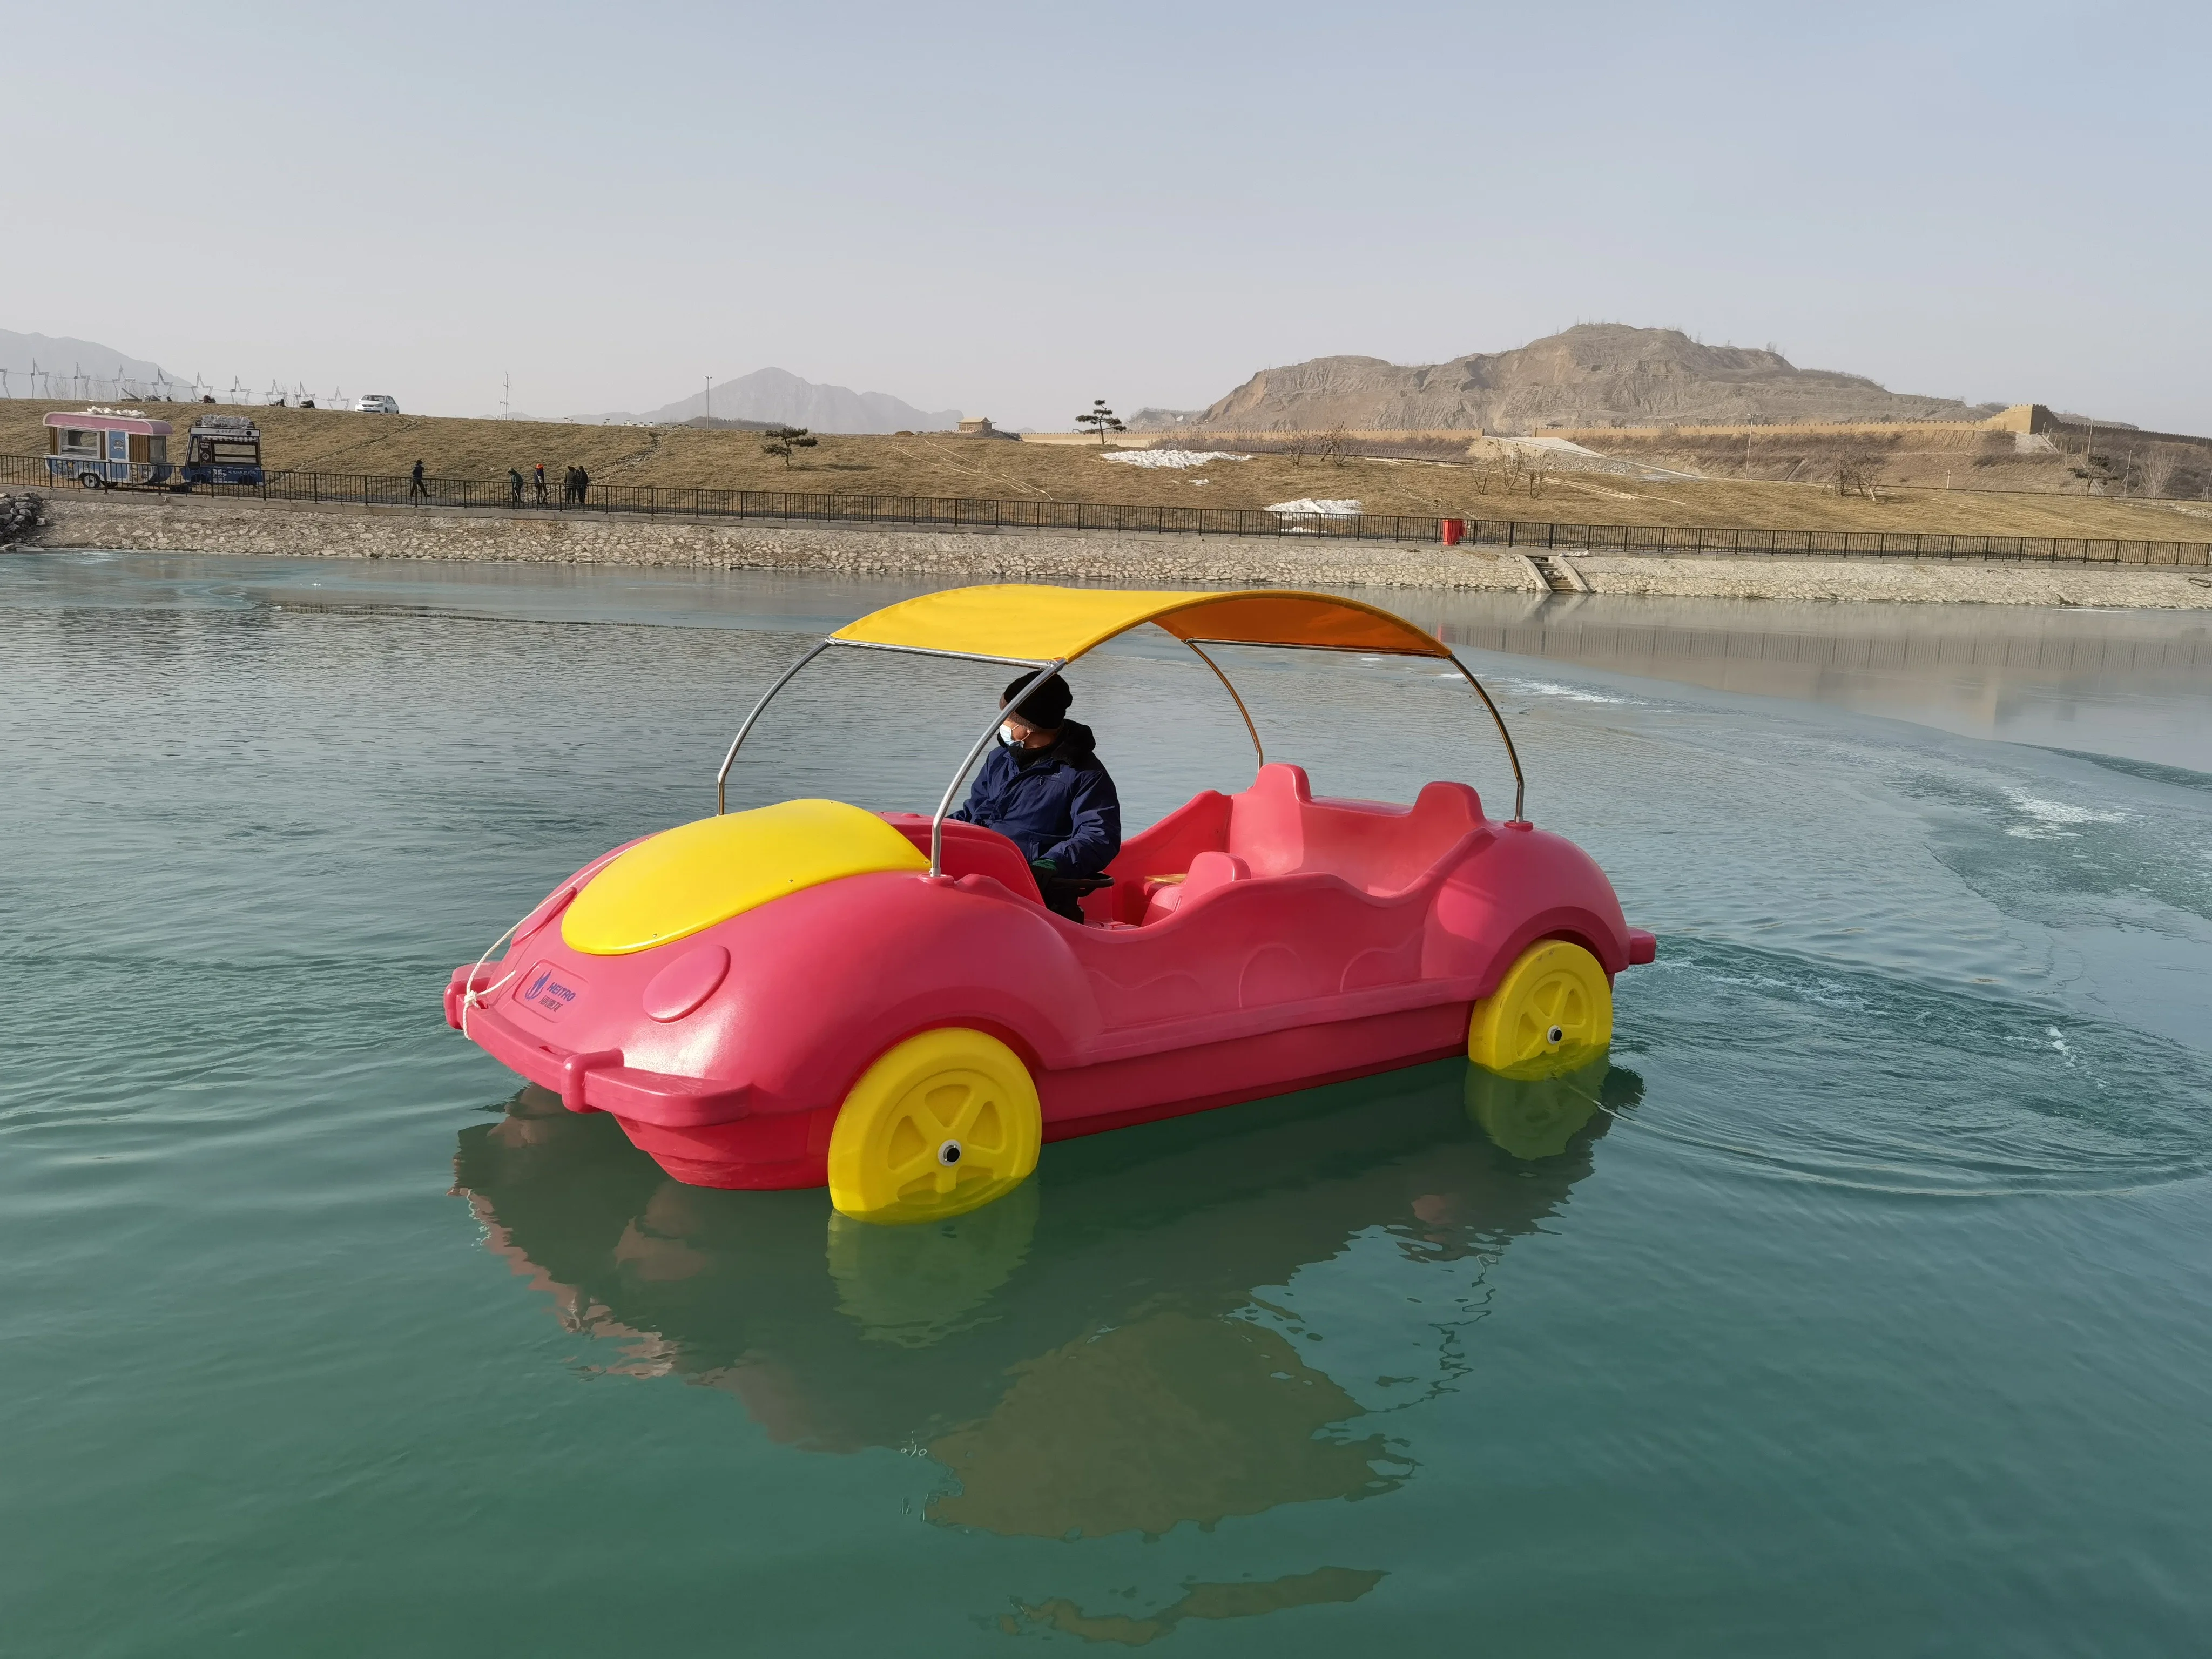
[1551, 1014]
[942, 1124]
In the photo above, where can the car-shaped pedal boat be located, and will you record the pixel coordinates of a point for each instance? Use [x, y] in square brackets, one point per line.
[809, 993]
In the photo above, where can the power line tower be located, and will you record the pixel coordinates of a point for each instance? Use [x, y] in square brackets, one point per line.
[505, 389]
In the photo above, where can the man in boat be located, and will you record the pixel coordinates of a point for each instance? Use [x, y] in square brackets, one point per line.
[1044, 790]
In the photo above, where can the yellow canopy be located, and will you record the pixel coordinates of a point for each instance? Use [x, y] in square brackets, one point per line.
[1049, 624]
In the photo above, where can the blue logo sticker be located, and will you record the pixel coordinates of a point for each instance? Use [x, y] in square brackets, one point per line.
[548, 989]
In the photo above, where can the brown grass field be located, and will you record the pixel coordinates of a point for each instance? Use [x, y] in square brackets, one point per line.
[332, 440]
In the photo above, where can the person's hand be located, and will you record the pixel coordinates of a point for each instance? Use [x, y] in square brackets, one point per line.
[1043, 869]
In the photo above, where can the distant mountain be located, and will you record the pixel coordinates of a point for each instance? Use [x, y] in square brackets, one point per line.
[70, 367]
[1593, 374]
[777, 396]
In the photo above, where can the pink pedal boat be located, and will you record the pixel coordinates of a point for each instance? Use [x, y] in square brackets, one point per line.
[809, 993]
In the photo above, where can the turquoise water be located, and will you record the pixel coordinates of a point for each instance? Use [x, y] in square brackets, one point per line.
[1858, 1307]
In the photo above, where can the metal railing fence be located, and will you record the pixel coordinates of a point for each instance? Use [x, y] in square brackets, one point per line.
[964, 512]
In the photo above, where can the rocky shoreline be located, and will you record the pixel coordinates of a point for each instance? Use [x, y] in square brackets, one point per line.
[303, 530]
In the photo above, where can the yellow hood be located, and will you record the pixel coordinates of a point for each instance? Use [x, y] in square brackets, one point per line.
[684, 880]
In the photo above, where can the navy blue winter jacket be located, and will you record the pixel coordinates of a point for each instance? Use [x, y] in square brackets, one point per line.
[1055, 803]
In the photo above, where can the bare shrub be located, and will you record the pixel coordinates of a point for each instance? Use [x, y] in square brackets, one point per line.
[1495, 473]
[1335, 444]
[1859, 474]
[2157, 465]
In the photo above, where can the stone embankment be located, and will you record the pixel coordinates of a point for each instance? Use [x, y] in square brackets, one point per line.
[306, 531]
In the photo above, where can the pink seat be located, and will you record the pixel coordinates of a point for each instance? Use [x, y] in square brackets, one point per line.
[1276, 828]
[1279, 828]
[1209, 871]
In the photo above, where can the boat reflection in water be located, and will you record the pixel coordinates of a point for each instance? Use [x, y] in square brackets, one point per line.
[1086, 1356]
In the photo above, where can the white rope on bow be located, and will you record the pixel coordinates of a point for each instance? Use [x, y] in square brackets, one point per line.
[470, 996]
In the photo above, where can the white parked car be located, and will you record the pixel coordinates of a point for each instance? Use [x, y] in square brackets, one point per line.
[377, 404]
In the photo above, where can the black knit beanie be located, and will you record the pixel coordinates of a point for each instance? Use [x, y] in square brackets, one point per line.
[1046, 708]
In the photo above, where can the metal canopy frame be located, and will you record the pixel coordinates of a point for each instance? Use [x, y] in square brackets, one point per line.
[1049, 669]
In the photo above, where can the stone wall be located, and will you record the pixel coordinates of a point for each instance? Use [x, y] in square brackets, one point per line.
[302, 530]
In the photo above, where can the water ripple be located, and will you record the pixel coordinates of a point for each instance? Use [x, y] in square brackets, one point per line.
[1803, 1071]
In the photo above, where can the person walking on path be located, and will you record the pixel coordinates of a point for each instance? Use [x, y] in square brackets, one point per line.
[583, 485]
[415, 486]
[537, 482]
[569, 487]
[513, 488]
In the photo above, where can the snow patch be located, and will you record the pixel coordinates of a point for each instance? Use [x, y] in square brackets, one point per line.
[1174, 457]
[1307, 507]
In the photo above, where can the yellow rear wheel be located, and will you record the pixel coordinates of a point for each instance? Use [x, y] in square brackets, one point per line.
[1551, 1014]
[942, 1124]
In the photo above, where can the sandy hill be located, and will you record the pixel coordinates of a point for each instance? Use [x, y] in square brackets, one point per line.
[1593, 374]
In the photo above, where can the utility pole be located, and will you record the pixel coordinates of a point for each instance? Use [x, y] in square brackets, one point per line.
[506, 386]
[710, 403]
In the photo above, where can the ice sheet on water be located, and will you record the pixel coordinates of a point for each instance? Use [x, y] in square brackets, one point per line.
[2053, 817]
[1565, 693]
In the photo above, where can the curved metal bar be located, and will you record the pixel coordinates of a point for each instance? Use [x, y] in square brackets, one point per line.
[998, 718]
[1520, 786]
[1233, 698]
[782, 680]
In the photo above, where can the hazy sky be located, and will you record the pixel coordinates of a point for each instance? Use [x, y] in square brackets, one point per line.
[1011, 209]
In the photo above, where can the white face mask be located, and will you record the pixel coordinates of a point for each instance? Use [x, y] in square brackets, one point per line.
[1013, 739]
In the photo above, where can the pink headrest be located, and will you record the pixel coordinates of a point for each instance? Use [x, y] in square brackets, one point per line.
[1211, 870]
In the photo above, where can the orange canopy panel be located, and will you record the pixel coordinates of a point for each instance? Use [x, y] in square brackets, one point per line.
[1029, 623]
